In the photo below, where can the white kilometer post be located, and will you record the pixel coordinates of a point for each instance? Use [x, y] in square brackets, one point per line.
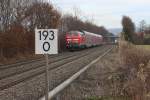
[46, 42]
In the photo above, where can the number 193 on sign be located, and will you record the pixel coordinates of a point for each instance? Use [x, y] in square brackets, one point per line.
[46, 41]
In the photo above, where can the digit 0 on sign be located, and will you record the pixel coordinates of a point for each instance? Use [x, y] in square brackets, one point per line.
[44, 46]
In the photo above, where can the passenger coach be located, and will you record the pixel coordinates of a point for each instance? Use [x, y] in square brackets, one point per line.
[82, 39]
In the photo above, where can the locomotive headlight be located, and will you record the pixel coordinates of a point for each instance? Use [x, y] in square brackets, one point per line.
[75, 39]
[68, 39]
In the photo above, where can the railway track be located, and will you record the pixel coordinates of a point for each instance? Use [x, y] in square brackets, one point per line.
[69, 83]
[14, 70]
[59, 75]
[14, 78]
[24, 62]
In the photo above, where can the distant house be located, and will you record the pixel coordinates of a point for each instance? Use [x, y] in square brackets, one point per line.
[140, 34]
[147, 31]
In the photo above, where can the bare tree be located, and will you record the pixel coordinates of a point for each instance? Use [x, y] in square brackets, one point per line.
[42, 15]
[10, 11]
[5, 13]
[142, 26]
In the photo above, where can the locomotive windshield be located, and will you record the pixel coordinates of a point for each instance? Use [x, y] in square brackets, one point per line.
[73, 33]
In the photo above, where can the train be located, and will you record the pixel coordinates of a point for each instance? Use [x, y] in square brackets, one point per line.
[82, 39]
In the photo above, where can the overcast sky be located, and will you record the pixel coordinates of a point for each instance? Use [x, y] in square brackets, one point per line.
[107, 13]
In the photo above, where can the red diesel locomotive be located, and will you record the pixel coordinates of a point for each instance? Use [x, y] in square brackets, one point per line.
[82, 39]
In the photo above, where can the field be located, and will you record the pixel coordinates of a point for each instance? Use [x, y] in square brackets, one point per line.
[146, 47]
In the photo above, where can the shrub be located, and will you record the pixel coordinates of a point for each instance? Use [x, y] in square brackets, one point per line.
[135, 61]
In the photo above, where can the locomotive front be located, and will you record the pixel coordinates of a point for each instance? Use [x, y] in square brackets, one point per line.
[74, 40]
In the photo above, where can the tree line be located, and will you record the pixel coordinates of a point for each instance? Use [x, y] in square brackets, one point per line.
[133, 34]
[18, 19]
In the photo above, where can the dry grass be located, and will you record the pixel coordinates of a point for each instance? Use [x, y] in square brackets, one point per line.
[136, 65]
